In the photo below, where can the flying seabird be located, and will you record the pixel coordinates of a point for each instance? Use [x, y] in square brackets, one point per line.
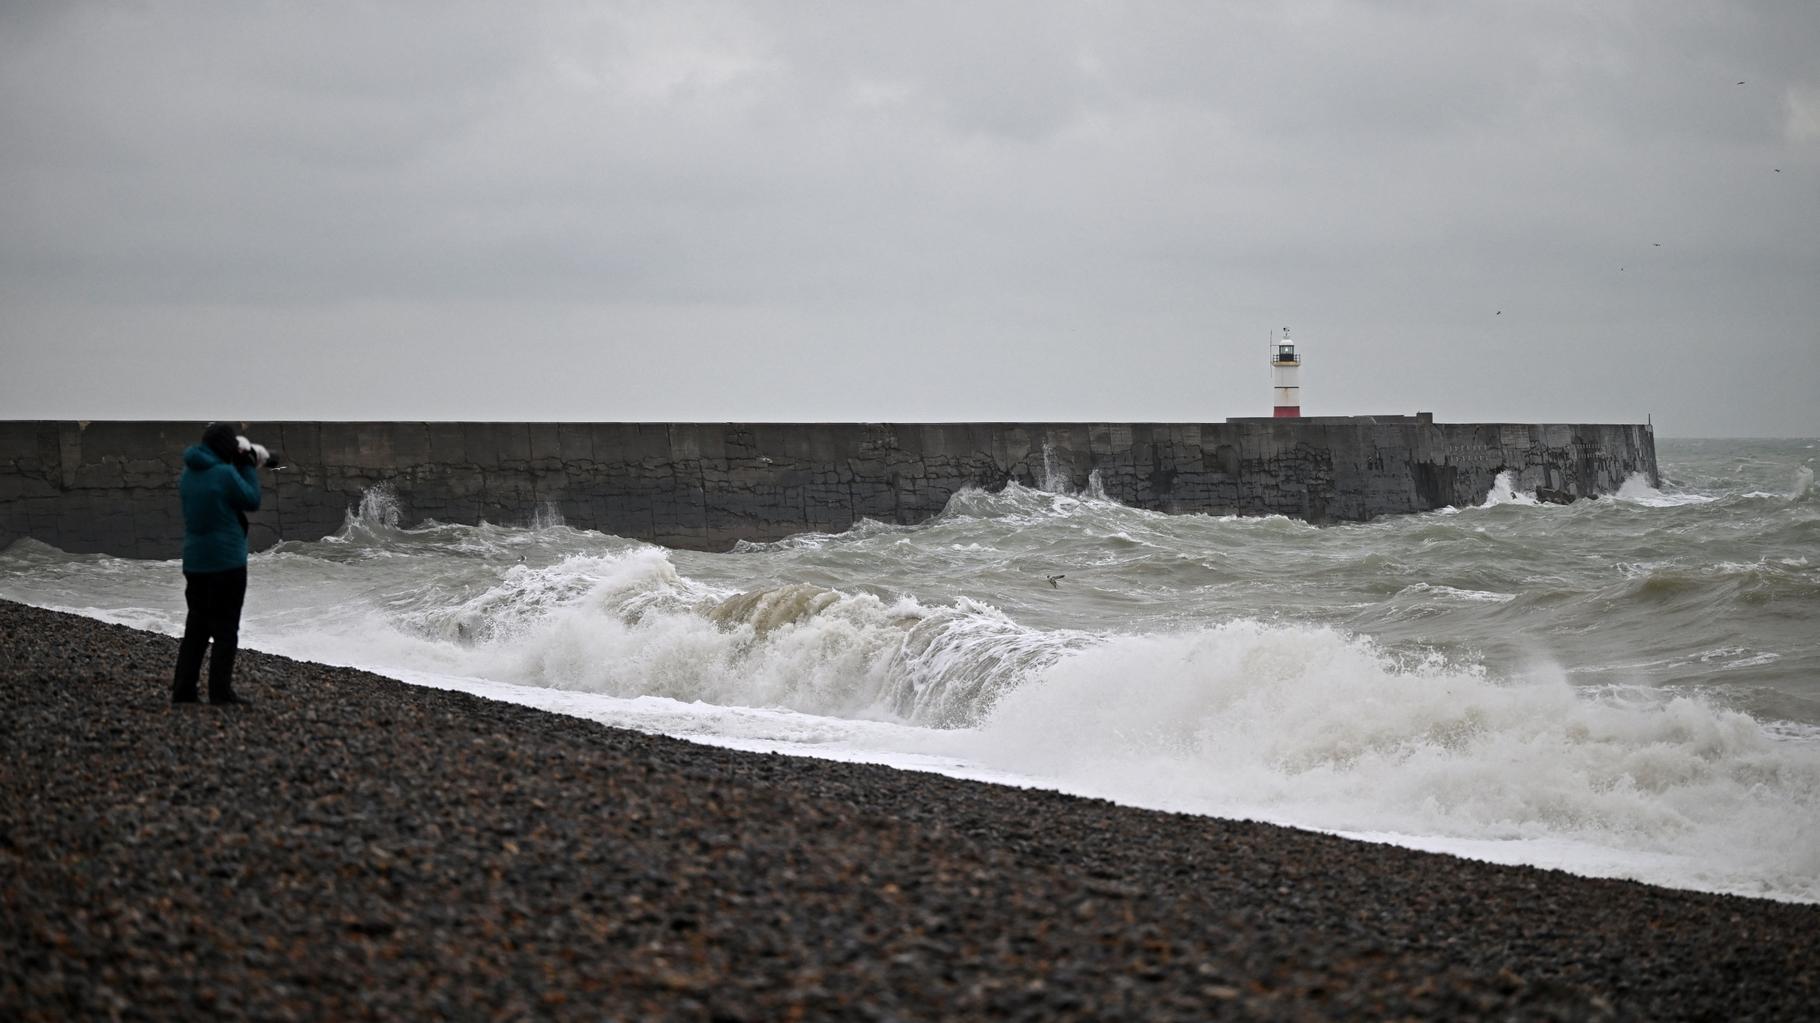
[1055, 580]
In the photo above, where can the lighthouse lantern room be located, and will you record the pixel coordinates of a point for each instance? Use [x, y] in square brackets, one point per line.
[1285, 370]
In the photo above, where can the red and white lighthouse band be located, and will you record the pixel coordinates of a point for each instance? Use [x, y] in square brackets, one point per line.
[1285, 369]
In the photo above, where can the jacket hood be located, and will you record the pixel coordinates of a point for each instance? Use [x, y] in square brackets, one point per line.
[199, 457]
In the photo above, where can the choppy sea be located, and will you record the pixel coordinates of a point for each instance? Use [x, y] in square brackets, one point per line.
[1625, 687]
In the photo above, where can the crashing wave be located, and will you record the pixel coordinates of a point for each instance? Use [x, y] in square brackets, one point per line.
[1503, 491]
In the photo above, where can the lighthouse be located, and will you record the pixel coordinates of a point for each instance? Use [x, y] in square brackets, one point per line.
[1285, 375]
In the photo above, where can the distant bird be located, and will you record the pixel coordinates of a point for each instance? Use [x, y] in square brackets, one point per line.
[1500, 312]
[1740, 83]
[763, 460]
[1055, 580]
[1656, 244]
[1778, 170]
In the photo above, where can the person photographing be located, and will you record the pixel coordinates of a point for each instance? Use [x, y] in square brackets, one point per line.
[219, 485]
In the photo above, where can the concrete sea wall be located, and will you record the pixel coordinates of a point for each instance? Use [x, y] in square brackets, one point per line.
[111, 486]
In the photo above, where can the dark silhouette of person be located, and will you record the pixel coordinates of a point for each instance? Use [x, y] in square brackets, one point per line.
[218, 487]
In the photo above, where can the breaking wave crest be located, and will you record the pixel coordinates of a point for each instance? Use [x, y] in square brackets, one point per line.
[630, 625]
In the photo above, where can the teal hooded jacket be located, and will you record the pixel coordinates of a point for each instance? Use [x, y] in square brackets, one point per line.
[215, 494]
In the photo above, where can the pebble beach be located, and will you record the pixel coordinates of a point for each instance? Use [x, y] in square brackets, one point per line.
[347, 846]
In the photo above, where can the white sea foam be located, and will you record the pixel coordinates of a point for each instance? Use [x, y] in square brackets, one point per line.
[1311, 727]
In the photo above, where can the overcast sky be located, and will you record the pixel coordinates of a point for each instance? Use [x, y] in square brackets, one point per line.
[1556, 210]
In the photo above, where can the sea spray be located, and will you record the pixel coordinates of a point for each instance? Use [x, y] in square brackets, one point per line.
[1804, 483]
[1504, 491]
[378, 510]
[547, 516]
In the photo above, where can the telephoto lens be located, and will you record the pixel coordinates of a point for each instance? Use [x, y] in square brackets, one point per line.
[257, 455]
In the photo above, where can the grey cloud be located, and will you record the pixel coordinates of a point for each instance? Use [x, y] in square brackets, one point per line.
[1009, 209]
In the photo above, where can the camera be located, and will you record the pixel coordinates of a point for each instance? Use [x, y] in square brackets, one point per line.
[257, 455]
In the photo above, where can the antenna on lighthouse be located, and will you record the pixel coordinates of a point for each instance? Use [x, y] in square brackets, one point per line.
[1285, 370]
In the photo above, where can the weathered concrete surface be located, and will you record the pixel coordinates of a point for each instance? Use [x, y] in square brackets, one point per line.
[111, 486]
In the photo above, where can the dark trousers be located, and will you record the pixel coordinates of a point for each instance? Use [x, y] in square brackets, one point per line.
[214, 600]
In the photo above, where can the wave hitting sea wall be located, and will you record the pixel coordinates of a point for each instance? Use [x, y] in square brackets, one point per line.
[110, 486]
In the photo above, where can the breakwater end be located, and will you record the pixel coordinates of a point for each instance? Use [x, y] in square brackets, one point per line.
[110, 486]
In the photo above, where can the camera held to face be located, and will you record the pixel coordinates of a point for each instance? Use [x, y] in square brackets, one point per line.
[257, 455]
